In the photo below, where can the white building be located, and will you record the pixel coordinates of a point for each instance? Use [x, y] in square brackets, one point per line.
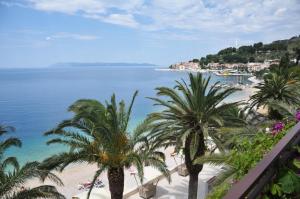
[257, 66]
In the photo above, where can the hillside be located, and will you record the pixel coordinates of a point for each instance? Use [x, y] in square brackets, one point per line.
[257, 52]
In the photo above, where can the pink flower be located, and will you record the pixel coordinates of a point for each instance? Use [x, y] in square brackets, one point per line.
[278, 126]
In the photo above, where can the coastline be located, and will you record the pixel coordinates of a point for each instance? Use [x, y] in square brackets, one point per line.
[248, 90]
[216, 72]
[75, 174]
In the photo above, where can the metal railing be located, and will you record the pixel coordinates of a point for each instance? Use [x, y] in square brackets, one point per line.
[252, 184]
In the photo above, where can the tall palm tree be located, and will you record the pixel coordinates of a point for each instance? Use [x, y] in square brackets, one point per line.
[99, 134]
[189, 111]
[13, 177]
[277, 87]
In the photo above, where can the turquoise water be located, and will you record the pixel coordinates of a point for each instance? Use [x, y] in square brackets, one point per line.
[35, 100]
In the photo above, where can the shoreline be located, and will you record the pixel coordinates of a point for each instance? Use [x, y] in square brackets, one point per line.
[216, 72]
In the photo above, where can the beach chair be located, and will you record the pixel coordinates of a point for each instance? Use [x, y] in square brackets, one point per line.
[182, 170]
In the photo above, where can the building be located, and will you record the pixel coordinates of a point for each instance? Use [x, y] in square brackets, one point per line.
[185, 65]
[272, 61]
[257, 66]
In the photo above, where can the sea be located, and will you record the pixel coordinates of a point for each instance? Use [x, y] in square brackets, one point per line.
[36, 100]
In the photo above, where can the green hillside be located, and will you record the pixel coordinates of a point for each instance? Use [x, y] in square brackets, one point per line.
[257, 52]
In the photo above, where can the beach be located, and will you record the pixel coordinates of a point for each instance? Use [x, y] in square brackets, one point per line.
[73, 175]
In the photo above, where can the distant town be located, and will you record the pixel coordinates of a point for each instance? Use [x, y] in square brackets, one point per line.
[244, 67]
[246, 59]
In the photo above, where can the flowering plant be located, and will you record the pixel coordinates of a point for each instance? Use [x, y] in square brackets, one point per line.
[278, 126]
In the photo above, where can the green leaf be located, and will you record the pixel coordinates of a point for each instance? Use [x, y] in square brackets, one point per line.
[265, 197]
[297, 148]
[296, 162]
[276, 190]
[290, 182]
[273, 189]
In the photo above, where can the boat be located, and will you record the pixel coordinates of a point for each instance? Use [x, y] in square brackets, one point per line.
[231, 73]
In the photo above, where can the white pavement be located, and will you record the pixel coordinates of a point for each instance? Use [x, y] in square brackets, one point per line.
[178, 189]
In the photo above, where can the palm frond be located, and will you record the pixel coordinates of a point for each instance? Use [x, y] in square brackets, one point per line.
[213, 159]
[44, 191]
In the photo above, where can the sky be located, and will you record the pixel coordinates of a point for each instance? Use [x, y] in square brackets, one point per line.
[38, 33]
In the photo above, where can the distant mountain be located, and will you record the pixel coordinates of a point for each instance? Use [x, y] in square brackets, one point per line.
[86, 64]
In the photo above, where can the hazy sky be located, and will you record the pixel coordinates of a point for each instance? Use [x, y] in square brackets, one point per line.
[37, 33]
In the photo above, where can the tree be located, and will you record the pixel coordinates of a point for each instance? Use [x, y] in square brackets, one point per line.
[13, 177]
[297, 53]
[258, 45]
[5, 145]
[251, 59]
[203, 61]
[100, 135]
[227, 51]
[284, 61]
[277, 87]
[188, 113]
[246, 50]
[212, 58]
[235, 58]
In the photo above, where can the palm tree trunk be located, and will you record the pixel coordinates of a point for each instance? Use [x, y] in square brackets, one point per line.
[193, 186]
[194, 169]
[116, 182]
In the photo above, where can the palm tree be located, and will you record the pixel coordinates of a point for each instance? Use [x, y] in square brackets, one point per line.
[99, 134]
[277, 87]
[189, 111]
[287, 111]
[5, 145]
[13, 177]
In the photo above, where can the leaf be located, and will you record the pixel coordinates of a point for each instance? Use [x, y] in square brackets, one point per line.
[297, 148]
[296, 162]
[276, 190]
[290, 182]
[273, 189]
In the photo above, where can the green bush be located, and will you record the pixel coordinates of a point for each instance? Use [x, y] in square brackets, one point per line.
[246, 154]
[219, 191]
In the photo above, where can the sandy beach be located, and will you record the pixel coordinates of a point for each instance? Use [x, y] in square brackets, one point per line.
[73, 175]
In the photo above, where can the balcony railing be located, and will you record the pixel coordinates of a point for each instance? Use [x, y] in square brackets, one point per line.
[251, 185]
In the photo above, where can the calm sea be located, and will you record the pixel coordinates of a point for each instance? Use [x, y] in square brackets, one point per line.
[35, 100]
